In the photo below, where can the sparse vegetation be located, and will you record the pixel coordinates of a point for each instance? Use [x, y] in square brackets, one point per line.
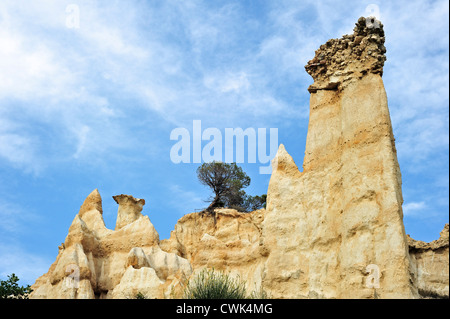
[210, 284]
[140, 295]
[227, 181]
[10, 289]
[259, 294]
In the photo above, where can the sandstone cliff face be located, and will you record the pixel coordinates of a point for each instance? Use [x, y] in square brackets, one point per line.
[326, 225]
[431, 262]
[334, 230]
[95, 262]
[229, 241]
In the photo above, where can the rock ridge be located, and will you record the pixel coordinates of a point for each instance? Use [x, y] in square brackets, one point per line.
[441, 242]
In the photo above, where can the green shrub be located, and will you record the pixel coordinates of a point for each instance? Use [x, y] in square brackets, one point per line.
[259, 294]
[209, 284]
[140, 295]
[10, 289]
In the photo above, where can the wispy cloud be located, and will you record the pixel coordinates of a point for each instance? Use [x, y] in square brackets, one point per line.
[101, 94]
[28, 266]
[15, 258]
[54, 80]
[417, 77]
[11, 216]
[228, 83]
[73, 79]
[414, 209]
[185, 199]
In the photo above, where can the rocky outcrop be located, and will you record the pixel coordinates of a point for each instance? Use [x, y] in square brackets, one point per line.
[95, 262]
[333, 230]
[326, 225]
[129, 209]
[229, 241]
[431, 262]
[340, 61]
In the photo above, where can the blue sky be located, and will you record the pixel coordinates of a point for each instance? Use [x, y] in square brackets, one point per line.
[94, 106]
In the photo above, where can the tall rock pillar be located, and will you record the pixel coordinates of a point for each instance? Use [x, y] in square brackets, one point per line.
[337, 227]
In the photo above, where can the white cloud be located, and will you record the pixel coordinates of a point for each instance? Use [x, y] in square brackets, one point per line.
[185, 199]
[235, 83]
[31, 72]
[53, 84]
[16, 222]
[26, 265]
[414, 209]
[416, 76]
[68, 79]
[185, 61]
[10, 216]
[17, 147]
[81, 94]
[228, 82]
[82, 139]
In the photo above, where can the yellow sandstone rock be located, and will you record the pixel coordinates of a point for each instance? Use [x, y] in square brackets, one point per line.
[334, 230]
[431, 262]
[95, 262]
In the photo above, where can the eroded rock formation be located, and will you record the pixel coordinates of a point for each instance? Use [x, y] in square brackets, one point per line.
[344, 211]
[129, 209]
[431, 265]
[333, 230]
[349, 58]
[230, 241]
[95, 262]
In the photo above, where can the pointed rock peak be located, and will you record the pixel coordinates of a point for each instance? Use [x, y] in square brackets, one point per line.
[281, 148]
[283, 162]
[129, 209]
[282, 151]
[93, 201]
[444, 232]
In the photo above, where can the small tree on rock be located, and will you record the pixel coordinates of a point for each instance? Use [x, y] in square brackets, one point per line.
[227, 181]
